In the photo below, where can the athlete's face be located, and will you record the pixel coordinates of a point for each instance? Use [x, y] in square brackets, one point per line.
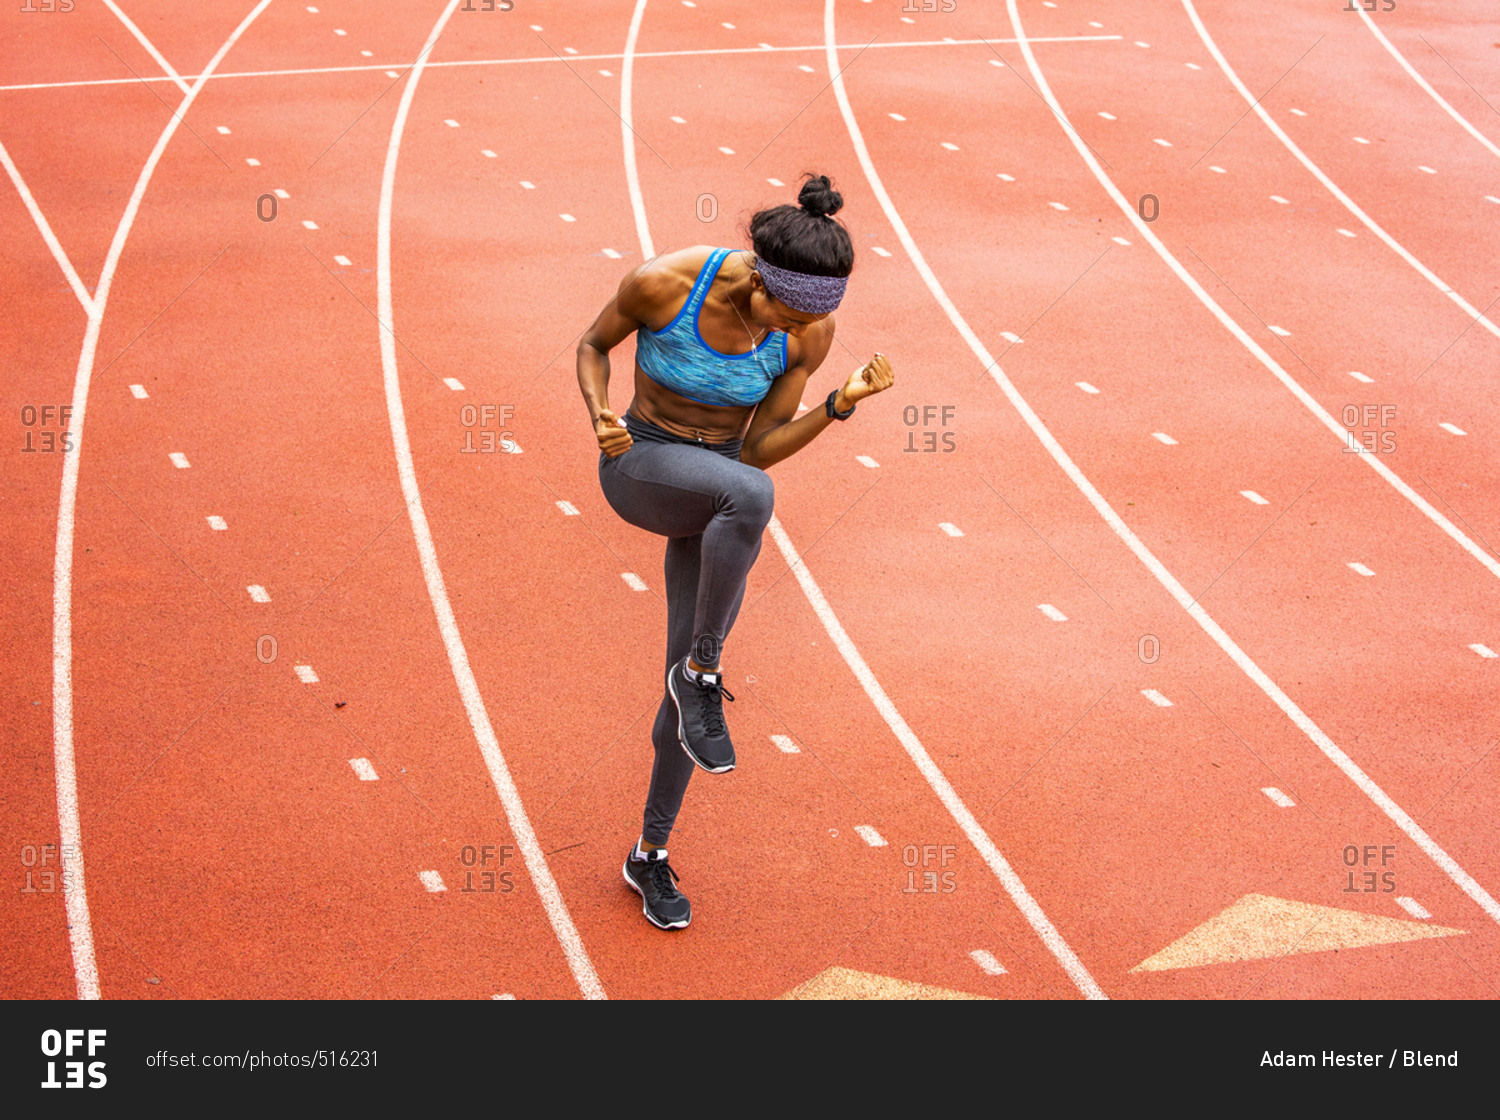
[771, 312]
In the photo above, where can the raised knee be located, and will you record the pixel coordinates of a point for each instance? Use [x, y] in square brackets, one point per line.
[756, 498]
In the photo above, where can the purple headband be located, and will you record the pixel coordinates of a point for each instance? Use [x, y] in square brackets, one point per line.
[801, 291]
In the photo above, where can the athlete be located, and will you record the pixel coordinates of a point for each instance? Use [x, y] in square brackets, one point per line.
[725, 343]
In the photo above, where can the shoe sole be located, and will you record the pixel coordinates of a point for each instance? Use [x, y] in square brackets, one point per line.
[681, 733]
[629, 882]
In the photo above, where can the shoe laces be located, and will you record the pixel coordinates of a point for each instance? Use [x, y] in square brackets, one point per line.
[662, 878]
[713, 707]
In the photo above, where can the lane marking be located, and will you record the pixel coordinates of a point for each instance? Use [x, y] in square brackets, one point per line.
[951, 529]
[454, 383]
[611, 254]
[1085, 386]
[253, 162]
[896, 116]
[1424, 167]
[307, 223]
[1360, 568]
[344, 262]
[140, 37]
[866, 460]
[1254, 497]
[1011, 337]
[1052, 612]
[567, 217]
[1413, 907]
[878, 251]
[936, 779]
[281, 194]
[1119, 240]
[1163, 143]
[1354, 373]
[217, 523]
[432, 881]
[222, 130]
[1168, 440]
[451, 123]
[1217, 168]
[528, 184]
[1156, 698]
[138, 392]
[1007, 178]
[1360, 140]
[179, 460]
[1057, 205]
[1280, 798]
[868, 834]
[633, 581]
[1329, 748]
[258, 593]
[458, 657]
[1447, 427]
[53, 244]
[305, 674]
[1483, 650]
[568, 508]
[1298, 112]
[365, 770]
[986, 960]
[727, 151]
[1421, 81]
[1469, 309]
[776, 182]
[1279, 331]
[950, 147]
[487, 153]
[1108, 116]
[1278, 198]
[785, 745]
[1346, 232]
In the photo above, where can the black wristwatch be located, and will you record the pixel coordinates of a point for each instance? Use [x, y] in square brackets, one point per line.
[835, 413]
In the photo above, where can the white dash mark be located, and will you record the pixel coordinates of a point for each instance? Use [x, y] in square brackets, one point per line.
[1216, 167]
[314, 11]
[879, 252]
[1483, 650]
[179, 460]
[503, 995]
[1354, 373]
[808, 69]
[217, 522]
[765, 46]
[281, 194]
[776, 182]
[1193, 66]
[726, 151]
[567, 217]
[986, 960]
[785, 745]
[223, 131]
[1092, 23]
[1052, 612]
[1254, 497]
[308, 223]
[364, 769]
[138, 392]
[611, 254]
[1299, 112]
[727, 26]
[368, 54]
[607, 73]
[950, 147]
[896, 117]
[633, 581]
[996, 62]
[1281, 331]
[1156, 698]
[868, 834]
[1163, 143]
[1007, 178]
[1280, 798]
[1360, 568]
[1346, 232]
[866, 460]
[1491, 198]
[1451, 430]
[1119, 241]
[679, 120]
[1141, 44]
[536, 27]
[528, 184]
[1429, 170]
[1057, 205]
[454, 383]
[1108, 116]
[392, 74]
[1168, 440]
[1085, 386]
[305, 674]
[570, 50]
[343, 262]
[432, 881]
[1360, 140]
[339, 31]
[252, 162]
[510, 446]
[258, 593]
[907, 19]
[451, 123]
[487, 154]
[1278, 198]
[951, 529]
[1413, 907]
[1011, 337]
[568, 508]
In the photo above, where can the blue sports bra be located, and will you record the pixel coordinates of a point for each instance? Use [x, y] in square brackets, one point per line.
[677, 357]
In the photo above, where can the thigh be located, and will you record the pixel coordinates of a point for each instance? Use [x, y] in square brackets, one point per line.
[673, 489]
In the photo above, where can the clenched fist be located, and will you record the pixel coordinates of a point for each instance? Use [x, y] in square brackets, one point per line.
[614, 440]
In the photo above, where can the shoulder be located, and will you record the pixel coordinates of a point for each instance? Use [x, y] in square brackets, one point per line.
[809, 351]
[664, 281]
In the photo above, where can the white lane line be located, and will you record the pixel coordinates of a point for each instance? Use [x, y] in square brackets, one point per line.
[528, 184]
[950, 147]
[1108, 116]
[785, 745]
[502, 995]
[611, 254]
[1277, 796]
[1421, 81]
[53, 244]
[1354, 373]
[1346, 232]
[1278, 198]
[1298, 112]
[1483, 650]
[1360, 568]
[1217, 168]
[567, 217]
[1185, 599]
[432, 881]
[1052, 612]
[868, 834]
[1156, 698]
[252, 161]
[1469, 309]
[458, 657]
[568, 508]
[308, 223]
[179, 460]
[633, 581]
[342, 262]
[1491, 198]
[1163, 143]
[150, 47]
[1449, 428]
[951, 529]
[960, 812]
[1119, 240]
[776, 182]
[879, 252]
[1281, 332]
[217, 523]
[900, 44]
[1085, 386]
[365, 769]
[454, 383]
[1057, 205]
[393, 74]
[896, 116]
[1254, 497]
[986, 960]
[451, 123]
[488, 153]
[1424, 167]
[1011, 337]
[138, 392]
[305, 674]
[726, 151]
[1360, 140]
[1168, 440]
[866, 460]
[1007, 178]
[1413, 907]
[281, 194]
[1195, 66]
[258, 593]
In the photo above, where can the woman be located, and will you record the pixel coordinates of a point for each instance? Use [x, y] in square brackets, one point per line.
[725, 344]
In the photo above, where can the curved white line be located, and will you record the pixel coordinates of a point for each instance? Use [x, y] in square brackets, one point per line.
[1333, 188]
[458, 657]
[150, 47]
[47, 235]
[1421, 81]
[1330, 749]
[80, 928]
[627, 132]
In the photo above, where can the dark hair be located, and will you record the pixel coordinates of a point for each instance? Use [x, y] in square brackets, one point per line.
[805, 238]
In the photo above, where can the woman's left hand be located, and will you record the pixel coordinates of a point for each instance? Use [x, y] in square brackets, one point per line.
[874, 377]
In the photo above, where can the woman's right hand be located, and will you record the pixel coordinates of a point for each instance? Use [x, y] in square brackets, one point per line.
[614, 440]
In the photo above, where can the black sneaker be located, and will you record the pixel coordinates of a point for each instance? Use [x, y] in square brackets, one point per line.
[700, 717]
[653, 879]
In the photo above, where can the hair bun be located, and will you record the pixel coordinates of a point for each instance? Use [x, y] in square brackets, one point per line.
[818, 197]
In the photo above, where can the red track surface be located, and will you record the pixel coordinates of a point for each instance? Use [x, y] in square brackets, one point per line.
[231, 849]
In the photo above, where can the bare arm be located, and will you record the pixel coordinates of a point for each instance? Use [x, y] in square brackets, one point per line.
[620, 318]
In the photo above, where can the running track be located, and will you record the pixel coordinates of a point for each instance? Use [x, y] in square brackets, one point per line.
[477, 644]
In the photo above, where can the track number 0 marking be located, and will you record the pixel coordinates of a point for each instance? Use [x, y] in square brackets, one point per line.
[707, 207]
[260, 207]
[265, 649]
[1148, 648]
[1140, 208]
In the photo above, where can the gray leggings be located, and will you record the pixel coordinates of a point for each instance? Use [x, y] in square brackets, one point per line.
[712, 509]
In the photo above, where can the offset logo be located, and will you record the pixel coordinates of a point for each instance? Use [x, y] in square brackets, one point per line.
[66, 1044]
